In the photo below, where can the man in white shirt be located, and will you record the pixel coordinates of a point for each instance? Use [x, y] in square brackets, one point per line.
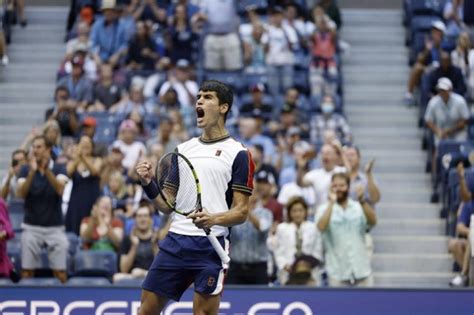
[279, 41]
[179, 80]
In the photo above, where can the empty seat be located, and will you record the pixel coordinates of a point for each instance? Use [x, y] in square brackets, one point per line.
[88, 281]
[129, 282]
[95, 263]
[43, 282]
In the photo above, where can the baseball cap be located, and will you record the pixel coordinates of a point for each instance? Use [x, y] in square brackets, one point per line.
[77, 61]
[263, 176]
[439, 25]
[87, 15]
[444, 84]
[89, 121]
[128, 124]
[109, 5]
[259, 87]
[182, 64]
[293, 131]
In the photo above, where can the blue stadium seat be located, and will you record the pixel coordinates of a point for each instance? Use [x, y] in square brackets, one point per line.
[95, 263]
[301, 80]
[15, 257]
[252, 79]
[5, 282]
[88, 281]
[232, 78]
[43, 282]
[135, 283]
[73, 243]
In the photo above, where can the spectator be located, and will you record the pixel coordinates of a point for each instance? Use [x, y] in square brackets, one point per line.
[329, 120]
[180, 80]
[82, 52]
[64, 112]
[447, 70]
[84, 171]
[460, 247]
[52, 133]
[429, 57]
[9, 183]
[3, 49]
[265, 187]
[323, 53]
[463, 58]
[453, 14]
[78, 85]
[358, 178]
[142, 52]
[149, 11]
[107, 93]
[301, 272]
[332, 10]
[83, 32]
[88, 128]
[167, 102]
[254, 51]
[138, 250]
[294, 20]
[257, 107]
[320, 178]
[182, 38]
[260, 165]
[279, 40]
[222, 47]
[296, 237]
[347, 260]
[165, 136]
[101, 231]
[250, 134]
[41, 184]
[113, 163]
[6, 233]
[109, 36]
[447, 113]
[116, 189]
[133, 150]
[135, 100]
[191, 9]
[249, 249]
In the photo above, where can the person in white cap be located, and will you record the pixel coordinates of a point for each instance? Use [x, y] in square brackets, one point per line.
[430, 55]
[446, 116]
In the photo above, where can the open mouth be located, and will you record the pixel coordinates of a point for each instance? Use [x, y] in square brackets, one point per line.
[199, 112]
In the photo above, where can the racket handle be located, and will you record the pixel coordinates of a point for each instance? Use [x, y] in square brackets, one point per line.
[218, 248]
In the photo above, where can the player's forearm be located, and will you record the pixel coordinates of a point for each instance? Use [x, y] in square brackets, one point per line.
[235, 216]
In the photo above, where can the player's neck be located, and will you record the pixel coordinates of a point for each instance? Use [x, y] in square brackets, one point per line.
[213, 134]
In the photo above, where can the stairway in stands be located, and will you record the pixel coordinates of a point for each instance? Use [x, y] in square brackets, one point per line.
[410, 246]
[27, 83]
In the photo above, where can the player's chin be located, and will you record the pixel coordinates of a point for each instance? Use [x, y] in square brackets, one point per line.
[200, 123]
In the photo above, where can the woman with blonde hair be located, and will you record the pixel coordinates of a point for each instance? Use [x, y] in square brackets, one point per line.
[116, 189]
[463, 57]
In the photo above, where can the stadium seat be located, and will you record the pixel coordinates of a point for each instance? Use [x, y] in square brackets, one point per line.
[88, 281]
[129, 283]
[232, 78]
[43, 282]
[95, 264]
[5, 282]
[73, 243]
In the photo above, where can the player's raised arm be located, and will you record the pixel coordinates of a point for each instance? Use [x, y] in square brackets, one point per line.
[150, 187]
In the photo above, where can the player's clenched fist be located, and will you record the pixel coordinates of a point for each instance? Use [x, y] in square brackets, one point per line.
[144, 171]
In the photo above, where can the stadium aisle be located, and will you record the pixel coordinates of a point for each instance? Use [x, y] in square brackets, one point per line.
[410, 246]
[27, 83]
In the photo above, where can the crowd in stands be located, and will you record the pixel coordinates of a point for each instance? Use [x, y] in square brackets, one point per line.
[441, 84]
[126, 90]
[11, 12]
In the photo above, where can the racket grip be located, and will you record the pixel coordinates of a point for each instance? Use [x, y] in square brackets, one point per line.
[218, 248]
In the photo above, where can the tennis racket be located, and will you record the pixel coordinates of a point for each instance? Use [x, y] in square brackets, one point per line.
[179, 187]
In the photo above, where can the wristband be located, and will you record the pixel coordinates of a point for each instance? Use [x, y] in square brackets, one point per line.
[151, 189]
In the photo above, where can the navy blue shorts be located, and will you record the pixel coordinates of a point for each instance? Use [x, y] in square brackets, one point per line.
[181, 261]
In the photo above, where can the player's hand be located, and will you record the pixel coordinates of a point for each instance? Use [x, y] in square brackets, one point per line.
[144, 171]
[202, 219]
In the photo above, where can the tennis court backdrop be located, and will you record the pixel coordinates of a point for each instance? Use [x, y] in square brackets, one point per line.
[241, 300]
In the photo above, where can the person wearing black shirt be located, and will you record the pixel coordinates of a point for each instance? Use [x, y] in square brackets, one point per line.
[257, 107]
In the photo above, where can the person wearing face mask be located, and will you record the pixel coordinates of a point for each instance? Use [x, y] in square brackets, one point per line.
[329, 120]
[343, 223]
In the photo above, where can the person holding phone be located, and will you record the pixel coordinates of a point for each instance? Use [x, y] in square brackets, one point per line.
[8, 188]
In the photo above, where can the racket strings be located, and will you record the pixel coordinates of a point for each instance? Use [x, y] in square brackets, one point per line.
[178, 184]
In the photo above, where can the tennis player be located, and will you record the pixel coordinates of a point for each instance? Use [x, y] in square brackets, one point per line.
[225, 170]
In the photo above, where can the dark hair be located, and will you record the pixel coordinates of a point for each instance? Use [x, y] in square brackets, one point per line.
[145, 204]
[294, 201]
[259, 148]
[59, 89]
[47, 143]
[344, 176]
[355, 148]
[19, 151]
[223, 91]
